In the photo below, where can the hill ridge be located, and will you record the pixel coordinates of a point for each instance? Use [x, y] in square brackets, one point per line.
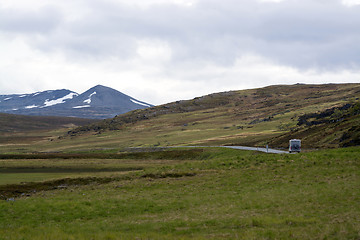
[253, 117]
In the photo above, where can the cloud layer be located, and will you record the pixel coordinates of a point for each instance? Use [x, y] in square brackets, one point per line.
[162, 51]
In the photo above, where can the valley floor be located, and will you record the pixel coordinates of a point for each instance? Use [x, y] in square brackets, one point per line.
[210, 193]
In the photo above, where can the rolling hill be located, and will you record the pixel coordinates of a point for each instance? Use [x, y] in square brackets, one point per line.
[248, 117]
[323, 116]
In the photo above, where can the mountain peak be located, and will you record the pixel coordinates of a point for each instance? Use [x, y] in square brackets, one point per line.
[97, 102]
[100, 87]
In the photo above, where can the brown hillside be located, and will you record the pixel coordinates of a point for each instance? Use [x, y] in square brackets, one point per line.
[20, 123]
[255, 105]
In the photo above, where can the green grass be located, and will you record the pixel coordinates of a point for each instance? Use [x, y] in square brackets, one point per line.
[17, 168]
[204, 194]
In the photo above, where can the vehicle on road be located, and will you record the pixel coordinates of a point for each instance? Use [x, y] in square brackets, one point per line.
[294, 145]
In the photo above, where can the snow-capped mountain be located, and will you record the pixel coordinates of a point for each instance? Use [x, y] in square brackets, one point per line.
[14, 102]
[97, 102]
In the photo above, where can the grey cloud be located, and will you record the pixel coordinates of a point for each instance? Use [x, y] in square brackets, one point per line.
[43, 20]
[300, 33]
[311, 33]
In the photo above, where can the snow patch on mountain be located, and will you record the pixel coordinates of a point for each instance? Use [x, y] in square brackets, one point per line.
[88, 101]
[84, 106]
[7, 98]
[22, 96]
[48, 103]
[31, 106]
[142, 104]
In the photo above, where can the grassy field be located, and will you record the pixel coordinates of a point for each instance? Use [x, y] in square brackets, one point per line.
[208, 193]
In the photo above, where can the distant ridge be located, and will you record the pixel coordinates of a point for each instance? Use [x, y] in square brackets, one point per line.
[11, 124]
[98, 102]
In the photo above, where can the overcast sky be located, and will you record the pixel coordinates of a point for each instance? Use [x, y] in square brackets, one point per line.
[160, 51]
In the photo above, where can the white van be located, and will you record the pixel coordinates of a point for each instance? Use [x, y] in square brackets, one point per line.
[294, 145]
